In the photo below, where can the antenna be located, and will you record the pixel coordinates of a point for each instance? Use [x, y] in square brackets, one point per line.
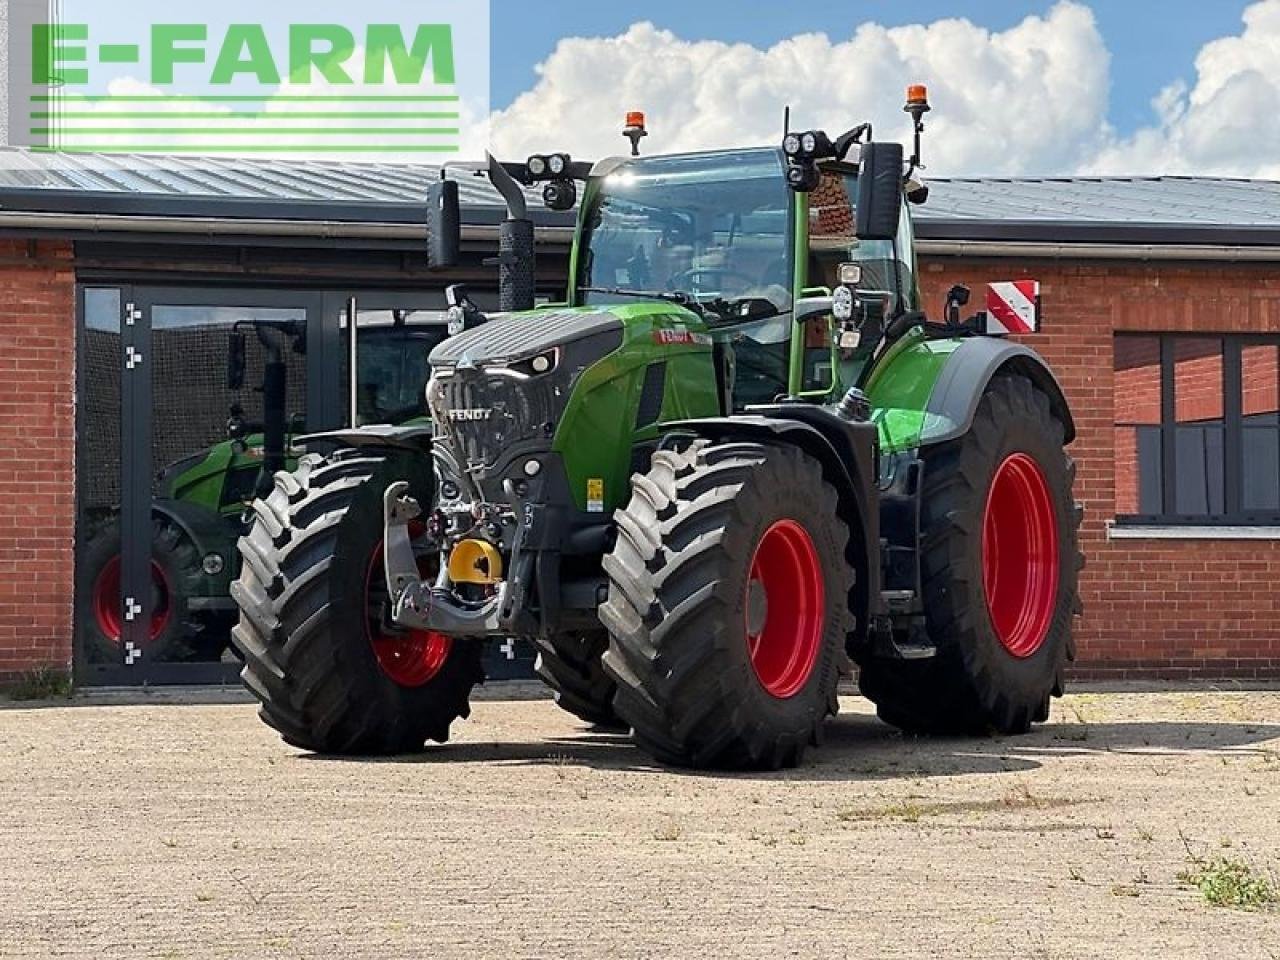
[786, 120]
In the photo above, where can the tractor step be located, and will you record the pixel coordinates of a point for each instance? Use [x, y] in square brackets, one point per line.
[902, 634]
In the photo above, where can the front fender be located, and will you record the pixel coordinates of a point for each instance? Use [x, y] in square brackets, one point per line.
[412, 437]
[209, 533]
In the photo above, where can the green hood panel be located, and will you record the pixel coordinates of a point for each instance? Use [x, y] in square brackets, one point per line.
[664, 348]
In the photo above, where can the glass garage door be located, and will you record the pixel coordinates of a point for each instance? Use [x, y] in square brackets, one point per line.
[190, 401]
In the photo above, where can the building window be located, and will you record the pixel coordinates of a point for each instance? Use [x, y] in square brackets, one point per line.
[1197, 430]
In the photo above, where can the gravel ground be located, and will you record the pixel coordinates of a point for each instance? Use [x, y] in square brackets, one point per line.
[178, 830]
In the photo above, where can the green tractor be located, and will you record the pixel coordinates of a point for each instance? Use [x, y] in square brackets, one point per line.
[736, 462]
[202, 502]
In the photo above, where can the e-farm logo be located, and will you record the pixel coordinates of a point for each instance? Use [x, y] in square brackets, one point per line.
[313, 88]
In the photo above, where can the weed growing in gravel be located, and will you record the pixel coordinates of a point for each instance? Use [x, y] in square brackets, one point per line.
[1231, 883]
[669, 832]
[47, 683]
[560, 765]
[914, 809]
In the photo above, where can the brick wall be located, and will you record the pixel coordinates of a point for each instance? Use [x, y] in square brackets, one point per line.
[1153, 608]
[1167, 609]
[37, 471]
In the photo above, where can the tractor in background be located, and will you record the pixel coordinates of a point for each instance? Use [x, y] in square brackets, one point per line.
[736, 462]
[203, 503]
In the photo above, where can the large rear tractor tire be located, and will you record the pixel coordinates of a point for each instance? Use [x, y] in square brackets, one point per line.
[728, 606]
[1000, 568]
[571, 666]
[330, 674]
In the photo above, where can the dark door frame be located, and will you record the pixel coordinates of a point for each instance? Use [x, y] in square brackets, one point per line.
[326, 409]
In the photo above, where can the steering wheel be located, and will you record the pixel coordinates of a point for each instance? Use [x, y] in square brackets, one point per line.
[680, 280]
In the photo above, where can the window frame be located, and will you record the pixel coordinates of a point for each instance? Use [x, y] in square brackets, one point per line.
[1234, 515]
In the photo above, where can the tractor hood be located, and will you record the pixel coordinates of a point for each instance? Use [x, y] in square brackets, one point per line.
[498, 391]
[510, 338]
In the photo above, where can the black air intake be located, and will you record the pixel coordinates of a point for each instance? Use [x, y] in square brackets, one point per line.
[517, 268]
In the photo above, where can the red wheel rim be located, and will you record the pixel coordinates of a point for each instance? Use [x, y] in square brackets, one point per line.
[785, 609]
[410, 658]
[106, 601]
[1020, 562]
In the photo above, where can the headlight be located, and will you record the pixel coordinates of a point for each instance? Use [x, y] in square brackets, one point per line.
[537, 166]
[537, 366]
[842, 304]
[810, 143]
[791, 145]
[557, 164]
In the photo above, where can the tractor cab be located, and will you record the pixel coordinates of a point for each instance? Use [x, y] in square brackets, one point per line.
[725, 236]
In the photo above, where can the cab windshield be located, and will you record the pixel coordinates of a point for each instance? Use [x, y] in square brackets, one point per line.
[713, 228]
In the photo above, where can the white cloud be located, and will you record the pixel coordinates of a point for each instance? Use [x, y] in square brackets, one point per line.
[1032, 98]
[1226, 123]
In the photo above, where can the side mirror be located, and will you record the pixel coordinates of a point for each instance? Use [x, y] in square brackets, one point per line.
[236, 361]
[879, 192]
[957, 299]
[444, 225]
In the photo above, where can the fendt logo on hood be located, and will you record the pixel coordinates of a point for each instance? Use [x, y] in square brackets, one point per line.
[470, 416]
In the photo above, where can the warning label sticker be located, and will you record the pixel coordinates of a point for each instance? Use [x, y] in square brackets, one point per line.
[595, 495]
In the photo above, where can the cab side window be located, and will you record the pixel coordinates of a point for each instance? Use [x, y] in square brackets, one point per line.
[886, 266]
[906, 250]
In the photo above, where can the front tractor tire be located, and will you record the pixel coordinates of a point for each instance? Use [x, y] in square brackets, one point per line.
[728, 606]
[331, 676]
[1000, 565]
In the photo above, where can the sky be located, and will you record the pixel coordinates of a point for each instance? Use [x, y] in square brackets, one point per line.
[1019, 87]
[1152, 44]
[1038, 87]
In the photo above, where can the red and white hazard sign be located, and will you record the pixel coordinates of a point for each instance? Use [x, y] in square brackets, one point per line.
[1013, 307]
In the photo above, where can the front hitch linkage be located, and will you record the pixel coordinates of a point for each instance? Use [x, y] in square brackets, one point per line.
[416, 605]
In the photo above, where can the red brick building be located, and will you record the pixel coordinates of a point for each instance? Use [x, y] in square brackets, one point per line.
[1161, 303]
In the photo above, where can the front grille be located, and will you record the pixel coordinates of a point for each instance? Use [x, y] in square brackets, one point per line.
[486, 417]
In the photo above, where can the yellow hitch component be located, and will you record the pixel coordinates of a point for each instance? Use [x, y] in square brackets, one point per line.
[475, 561]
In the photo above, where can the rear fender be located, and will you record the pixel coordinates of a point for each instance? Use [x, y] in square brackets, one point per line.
[965, 377]
[847, 452]
[926, 391]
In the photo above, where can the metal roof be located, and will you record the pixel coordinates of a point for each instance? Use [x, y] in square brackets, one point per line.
[1193, 201]
[1205, 210]
[225, 177]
